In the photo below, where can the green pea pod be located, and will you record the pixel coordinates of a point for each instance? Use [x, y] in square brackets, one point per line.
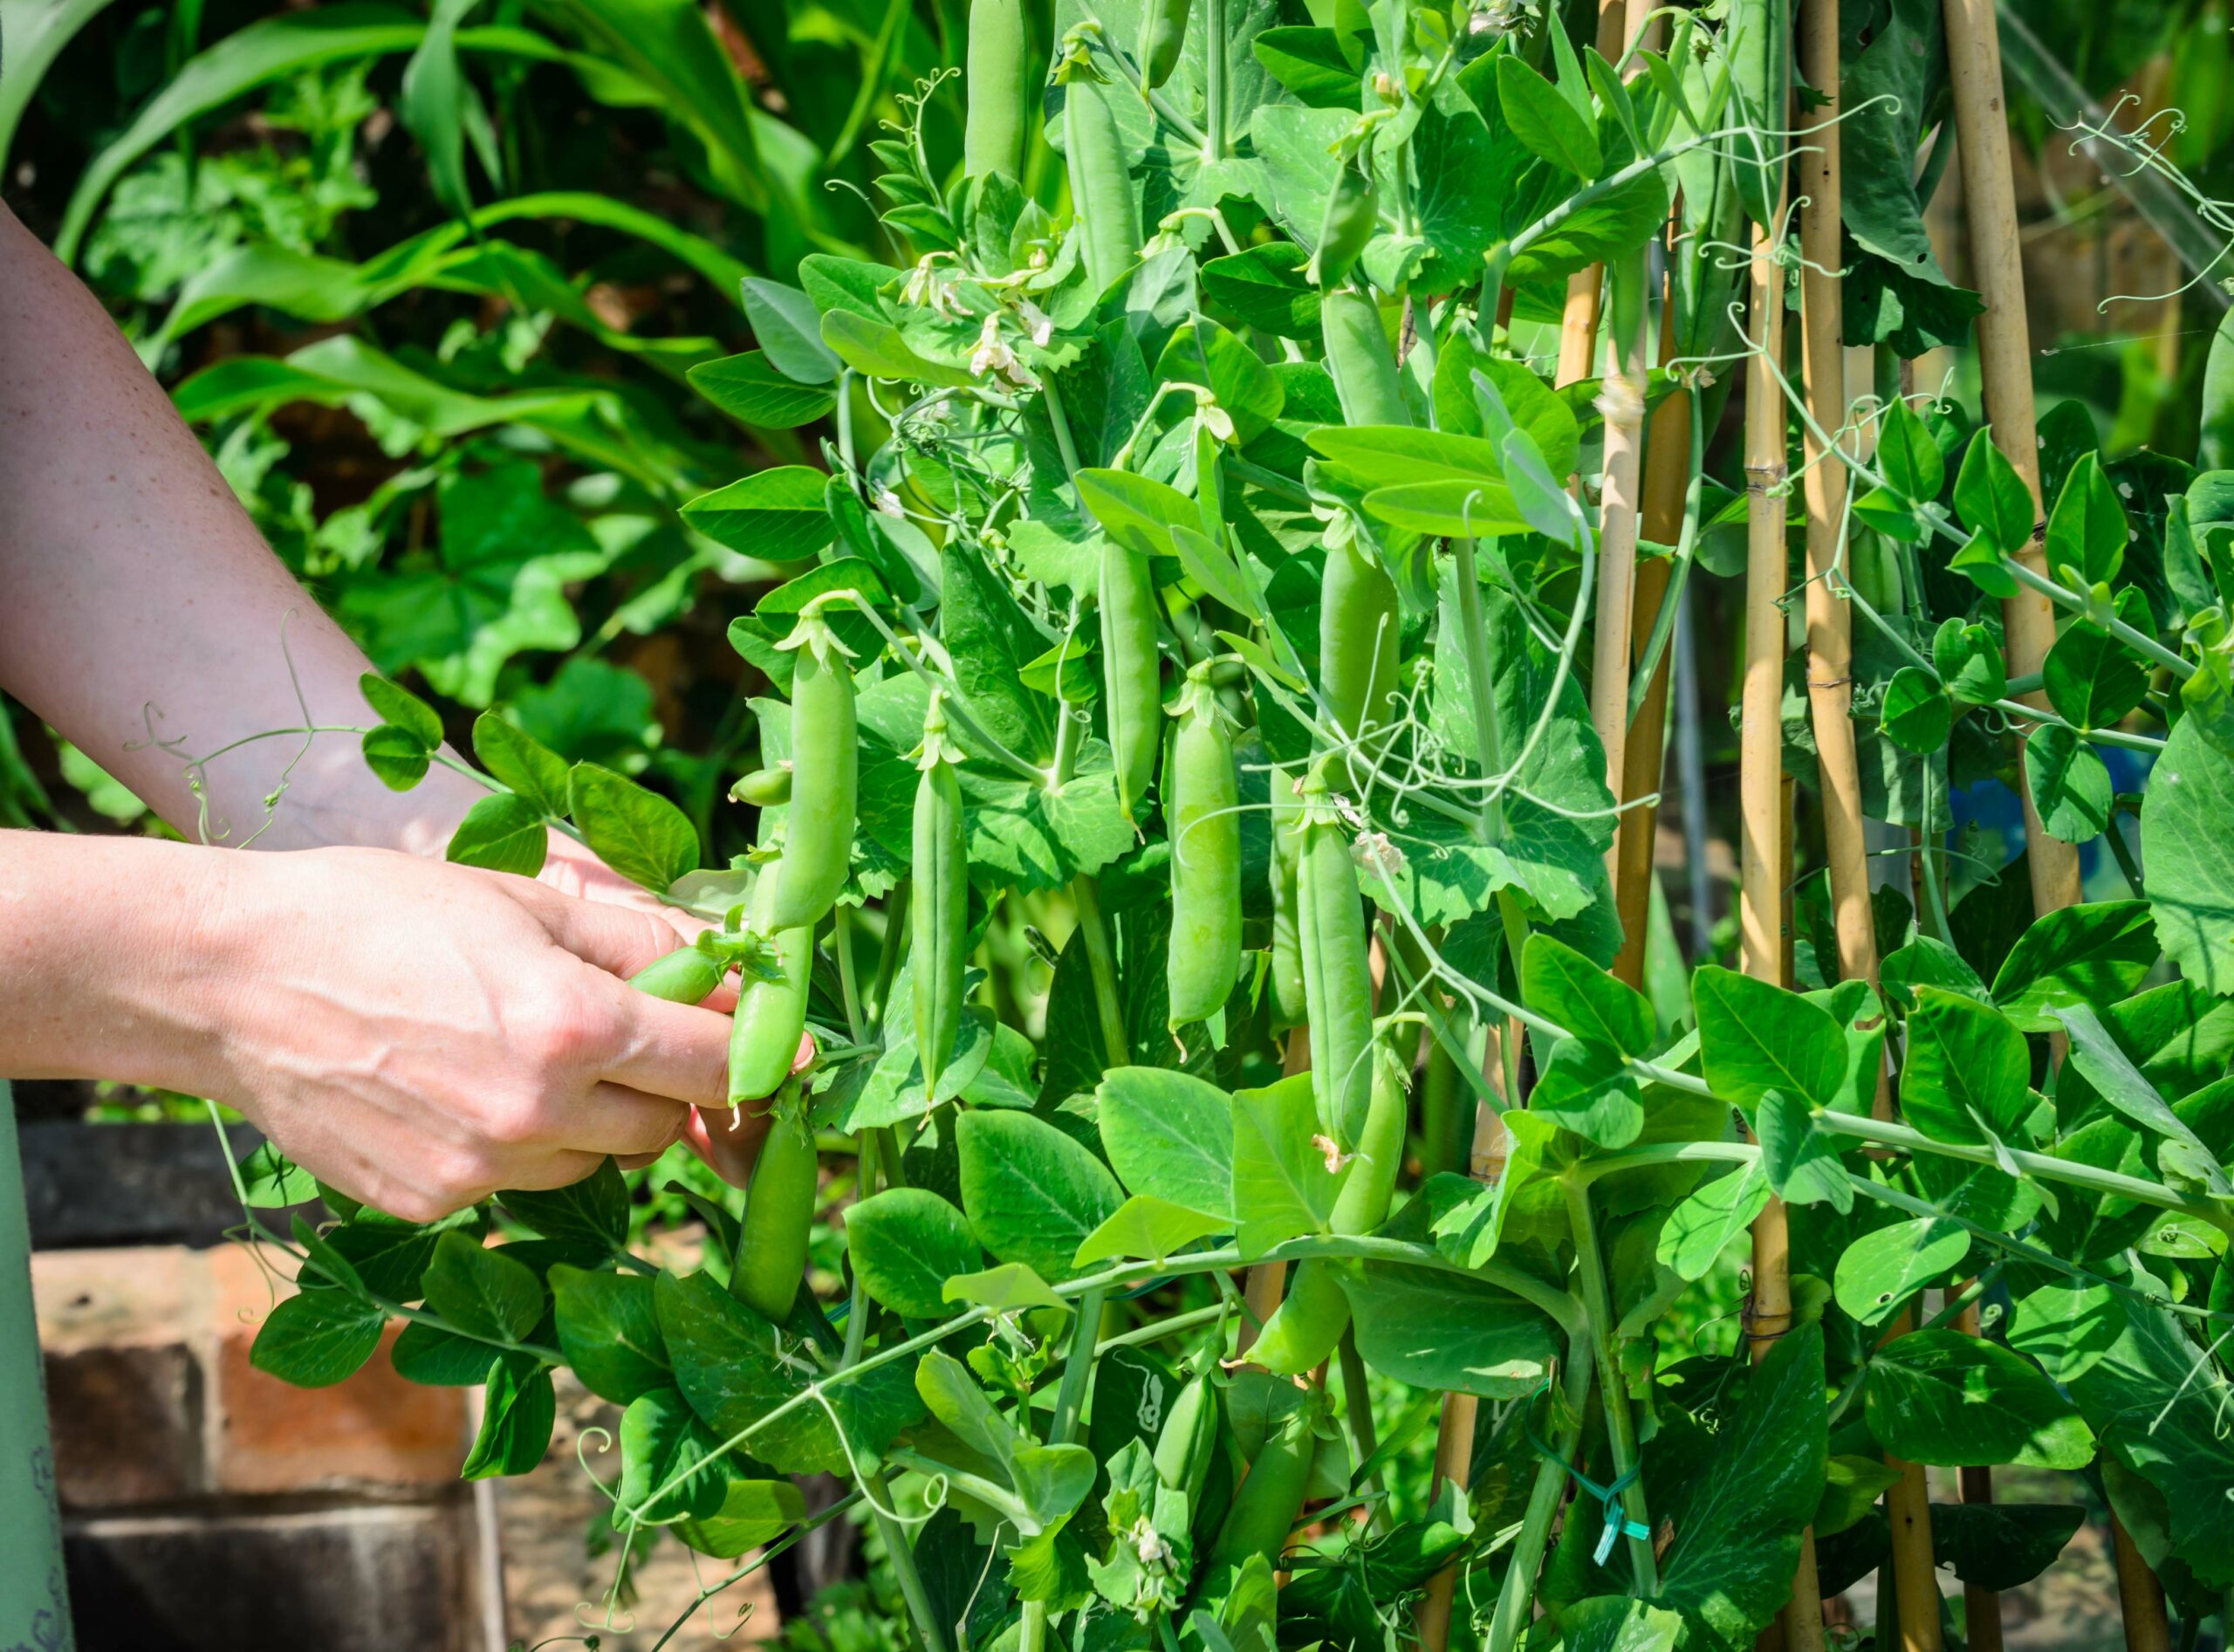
[1360, 359]
[1352, 214]
[684, 975]
[1131, 671]
[1289, 1008]
[1188, 1436]
[771, 1010]
[1316, 1311]
[763, 788]
[826, 780]
[1204, 954]
[1360, 630]
[1337, 977]
[1163, 31]
[779, 1214]
[938, 915]
[1101, 183]
[1000, 86]
[1270, 1497]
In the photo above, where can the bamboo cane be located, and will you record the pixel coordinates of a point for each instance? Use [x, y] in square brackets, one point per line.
[1763, 839]
[1830, 686]
[1989, 197]
[1667, 478]
[1579, 321]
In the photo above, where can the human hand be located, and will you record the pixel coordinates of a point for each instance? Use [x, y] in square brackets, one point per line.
[421, 1035]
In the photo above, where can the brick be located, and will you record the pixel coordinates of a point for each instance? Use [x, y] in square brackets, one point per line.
[124, 1388]
[374, 1576]
[375, 1429]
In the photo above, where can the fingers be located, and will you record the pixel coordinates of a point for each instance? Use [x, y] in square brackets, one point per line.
[545, 1171]
[676, 1050]
[614, 1118]
[620, 940]
[726, 1142]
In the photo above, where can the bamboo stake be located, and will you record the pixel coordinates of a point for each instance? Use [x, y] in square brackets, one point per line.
[1578, 322]
[2140, 1597]
[2004, 366]
[1667, 478]
[1764, 815]
[1981, 1606]
[1830, 685]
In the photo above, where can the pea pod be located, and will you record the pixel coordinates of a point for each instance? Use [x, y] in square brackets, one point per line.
[1359, 631]
[779, 1213]
[1131, 671]
[1000, 86]
[938, 916]
[1337, 976]
[1190, 1433]
[1270, 1497]
[1163, 31]
[763, 788]
[1312, 1318]
[770, 1008]
[1361, 361]
[684, 975]
[1205, 945]
[825, 779]
[1289, 1008]
[1352, 214]
[1101, 183]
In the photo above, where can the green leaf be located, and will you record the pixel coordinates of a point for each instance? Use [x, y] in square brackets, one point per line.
[906, 1243]
[663, 1441]
[397, 756]
[483, 1291]
[273, 1180]
[776, 514]
[399, 706]
[317, 1337]
[751, 389]
[2095, 953]
[1917, 714]
[2189, 855]
[1282, 1187]
[1738, 1528]
[1880, 1271]
[1134, 510]
[1586, 1088]
[877, 349]
[1949, 1399]
[2002, 1545]
[1969, 660]
[752, 1512]
[1852, 1484]
[1310, 63]
[2087, 530]
[1699, 1230]
[735, 1368]
[1992, 497]
[2070, 784]
[609, 1331]
[1444, 1331]
[1547, 123]
[520, 761]
[1618, 1623]
[518, 1408]
[1033, 1194]
[1147, 1227]
[501, 833]
[787, 327]
[1800, 1162]
[2091, 679]
[1010, 1288]
[1969, 1075]
[639, 834]
[1169, 1135]
[1590, 1003]
[593, 1211]
[1263, 287]
[1909, 458]
[1755, 1038]
[2095, 1055]
[437, 1359]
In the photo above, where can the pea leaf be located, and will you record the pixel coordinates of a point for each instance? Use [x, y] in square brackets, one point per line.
[776, 514]
[609, 1331]
[2095, 953]
[786, 327]
[1590, 1003]
[402, 708]
[483, 1291]
[1444, 1331]
[2091, 679]
[522, 762]
[317, 1337]
[752, 390]
[1147, 1227]
[1169, 1135]
[1033, 1194]
[2190, 857]
[1968, 1077]
[517, 1410]
[2087, 530]
[906, 1243]
[1547, 123]
[593, 1211]
[1882, 1270]
[397, 756]
[637, 833]
[1755, 1038]
[1991, 498]
[1917, 715]
[2070, 784]
[1949, 1399]
[752, 1512]
[501, 833]
[1699, 1230]
[1282, 1187]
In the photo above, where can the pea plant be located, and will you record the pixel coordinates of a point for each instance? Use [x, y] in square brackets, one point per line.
[1223, 706]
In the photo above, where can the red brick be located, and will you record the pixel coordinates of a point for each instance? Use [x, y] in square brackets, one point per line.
[124, 1388]
[375, 1429]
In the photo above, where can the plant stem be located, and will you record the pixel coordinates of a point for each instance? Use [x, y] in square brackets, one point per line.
[1070, 1398]
[1544, 1500]
[1614, 1394]
[1357, 1406]
[1102, 963]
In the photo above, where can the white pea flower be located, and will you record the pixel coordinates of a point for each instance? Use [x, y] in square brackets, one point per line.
[887, 503]
[1037, 322]
[993, 356]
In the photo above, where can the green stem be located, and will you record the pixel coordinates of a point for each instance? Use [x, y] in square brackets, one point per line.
[1518, 1594]
[903, 1556]
[1474, 635]
[1357, 1406]
[841, 940]
[2140, 643]
[1102, 961]
[1614, 1394]
[1070, 1398]
[896, 942]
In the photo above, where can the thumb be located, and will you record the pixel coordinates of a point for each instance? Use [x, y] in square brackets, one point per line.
[618, 939]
